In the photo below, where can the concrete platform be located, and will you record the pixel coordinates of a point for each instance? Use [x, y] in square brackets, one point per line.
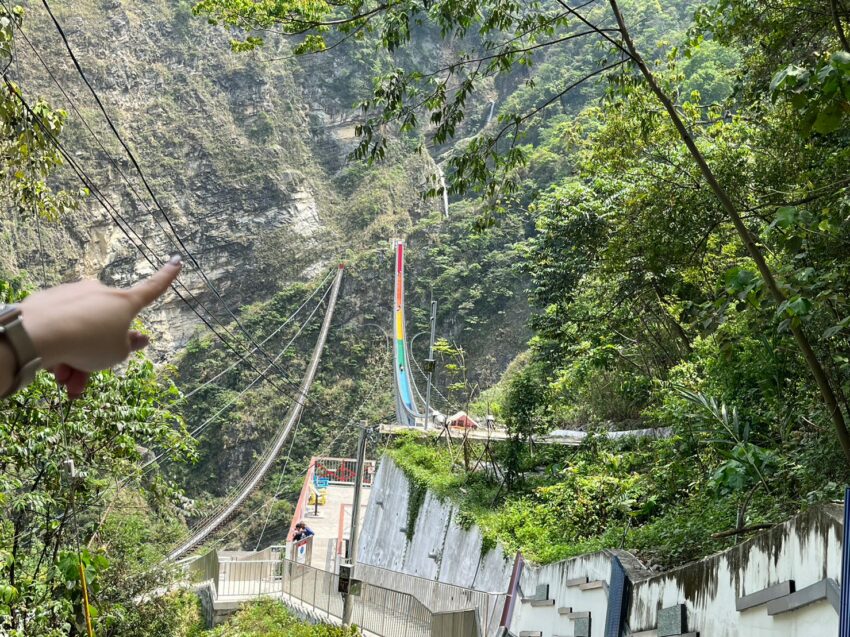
[333, 521]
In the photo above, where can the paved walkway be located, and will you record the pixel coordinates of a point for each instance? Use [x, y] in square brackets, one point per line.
[568, 437]
[326, 524]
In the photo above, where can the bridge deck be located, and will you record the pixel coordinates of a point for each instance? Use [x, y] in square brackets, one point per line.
[482, 434]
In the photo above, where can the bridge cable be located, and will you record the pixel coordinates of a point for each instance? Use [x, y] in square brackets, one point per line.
[363, 403]
[278, 489]
[210, 419]
[150, 191]
[265, 464]
[118, 219]
[262, 342]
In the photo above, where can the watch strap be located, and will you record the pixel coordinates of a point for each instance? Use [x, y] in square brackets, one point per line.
[28, 361]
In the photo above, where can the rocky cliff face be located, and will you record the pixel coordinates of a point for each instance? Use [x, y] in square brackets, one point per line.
[239, 150]
[246, 154]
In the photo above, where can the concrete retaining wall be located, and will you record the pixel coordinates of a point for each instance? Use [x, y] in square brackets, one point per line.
[440, 549]
[806, 549]
[564, 593]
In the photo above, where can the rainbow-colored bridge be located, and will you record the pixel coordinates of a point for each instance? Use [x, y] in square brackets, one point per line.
[409, 413]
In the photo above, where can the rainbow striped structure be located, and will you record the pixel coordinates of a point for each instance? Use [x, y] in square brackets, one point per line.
[406, 406]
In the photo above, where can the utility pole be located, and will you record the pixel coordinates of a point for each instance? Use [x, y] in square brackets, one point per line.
[430, 364]
[348, 602]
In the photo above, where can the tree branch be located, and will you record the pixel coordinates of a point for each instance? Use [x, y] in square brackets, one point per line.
[595, 28]
[747, 237]
[839, 28]
[740, 530]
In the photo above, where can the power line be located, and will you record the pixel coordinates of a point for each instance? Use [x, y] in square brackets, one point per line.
[101, 198]
[150, 191]
[233, 400]
[264, 341]
[117, 219]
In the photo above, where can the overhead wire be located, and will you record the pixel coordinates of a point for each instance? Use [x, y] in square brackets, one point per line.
[127, 180]
[71, 506]
[342, 430]
[233, 400]
[127, 231]
[117, 218]
[106, 203]
[146, 467]
[117, 166]
[264, 341]
[151, 193]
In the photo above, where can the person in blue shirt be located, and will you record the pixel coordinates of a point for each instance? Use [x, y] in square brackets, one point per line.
[302, 532]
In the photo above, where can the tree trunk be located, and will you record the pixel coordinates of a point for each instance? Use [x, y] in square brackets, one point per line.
[836, 17]
[753, 250]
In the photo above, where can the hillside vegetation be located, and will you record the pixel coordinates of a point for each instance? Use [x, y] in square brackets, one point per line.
[648, 226]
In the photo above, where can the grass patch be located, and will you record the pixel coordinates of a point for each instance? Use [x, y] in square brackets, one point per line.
[571, 501]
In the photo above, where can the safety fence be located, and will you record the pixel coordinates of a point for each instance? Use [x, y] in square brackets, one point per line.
[378, 610]
[343, 470]
[439, 597]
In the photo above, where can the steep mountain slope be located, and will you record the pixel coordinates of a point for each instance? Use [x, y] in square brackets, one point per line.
[237, 151]
[247, 154]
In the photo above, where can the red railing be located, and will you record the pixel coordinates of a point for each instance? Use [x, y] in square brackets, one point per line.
[303, 498]
[343, 470]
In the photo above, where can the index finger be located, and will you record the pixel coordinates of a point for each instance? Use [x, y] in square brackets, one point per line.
[144, 293]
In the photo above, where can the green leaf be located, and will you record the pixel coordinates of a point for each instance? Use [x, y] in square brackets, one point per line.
[786, 216]
[828, 120]
[841, 60]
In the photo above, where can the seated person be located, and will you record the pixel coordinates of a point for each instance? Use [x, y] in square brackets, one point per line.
[302, 532]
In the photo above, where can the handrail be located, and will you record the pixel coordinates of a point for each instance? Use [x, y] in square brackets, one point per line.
[377, 609]
[439, 596]
[303, 498]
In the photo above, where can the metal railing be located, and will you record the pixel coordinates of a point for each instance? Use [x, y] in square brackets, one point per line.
[378, 610]
[343, 470]
[439, 596]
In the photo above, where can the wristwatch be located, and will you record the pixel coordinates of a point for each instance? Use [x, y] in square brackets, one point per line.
[28, 360]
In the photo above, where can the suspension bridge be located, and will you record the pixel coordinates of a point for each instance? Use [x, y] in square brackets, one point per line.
[408, 412]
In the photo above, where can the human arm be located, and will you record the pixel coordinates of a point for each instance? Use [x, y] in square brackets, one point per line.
[80, 328]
